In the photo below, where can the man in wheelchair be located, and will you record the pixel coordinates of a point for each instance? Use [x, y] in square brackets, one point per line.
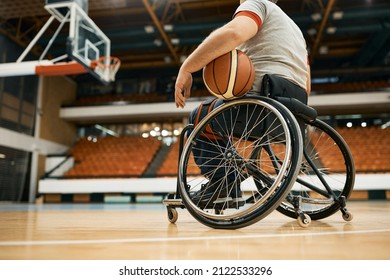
[278, 51]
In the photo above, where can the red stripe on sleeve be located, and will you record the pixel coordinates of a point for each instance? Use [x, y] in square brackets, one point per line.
[251, 15]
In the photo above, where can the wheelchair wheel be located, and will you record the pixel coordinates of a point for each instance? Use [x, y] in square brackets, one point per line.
[239, 162]
[326, 178]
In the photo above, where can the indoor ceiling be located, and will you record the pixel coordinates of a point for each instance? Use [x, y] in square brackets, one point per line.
[348, 40]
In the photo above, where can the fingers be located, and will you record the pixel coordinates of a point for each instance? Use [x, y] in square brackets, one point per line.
[180, 98]
[182, 88]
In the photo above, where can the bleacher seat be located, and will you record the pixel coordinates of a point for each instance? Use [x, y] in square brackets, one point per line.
[112, 156]
[130, 156]
[370, 147]
[170, 164]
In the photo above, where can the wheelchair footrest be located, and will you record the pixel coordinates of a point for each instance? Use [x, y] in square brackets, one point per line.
[173, 202]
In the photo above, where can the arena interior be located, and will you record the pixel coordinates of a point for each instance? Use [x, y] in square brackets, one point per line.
[83, 160]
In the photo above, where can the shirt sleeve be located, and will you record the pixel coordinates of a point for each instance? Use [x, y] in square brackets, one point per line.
[251, 15]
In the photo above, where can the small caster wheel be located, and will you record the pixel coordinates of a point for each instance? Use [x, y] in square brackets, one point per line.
[304, 220]
[347, 216]
[172, 215]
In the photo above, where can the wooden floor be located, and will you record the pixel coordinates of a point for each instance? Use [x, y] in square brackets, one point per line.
[142, 232]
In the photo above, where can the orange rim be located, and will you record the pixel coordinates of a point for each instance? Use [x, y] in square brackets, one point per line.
[114, 61]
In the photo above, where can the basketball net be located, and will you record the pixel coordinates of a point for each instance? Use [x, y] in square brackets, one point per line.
[107, 67]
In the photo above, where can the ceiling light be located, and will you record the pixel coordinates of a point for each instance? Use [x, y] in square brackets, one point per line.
[312, 31]
[331, 30]
[153, 133]
[168, 27]
[149, 29]
[175, 41]
[316, 17]
[157, 42]
[338, 15]
[323, 50]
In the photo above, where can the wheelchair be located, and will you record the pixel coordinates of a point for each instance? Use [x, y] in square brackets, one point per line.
[306, 175]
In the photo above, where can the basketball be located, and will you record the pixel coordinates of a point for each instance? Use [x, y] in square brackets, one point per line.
[230, 75]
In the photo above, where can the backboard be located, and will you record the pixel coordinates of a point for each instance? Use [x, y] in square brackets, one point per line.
[88, 48]
[87, 44]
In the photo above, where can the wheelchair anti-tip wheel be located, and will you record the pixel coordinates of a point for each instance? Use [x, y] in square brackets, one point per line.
[326, 176]
[239, 163]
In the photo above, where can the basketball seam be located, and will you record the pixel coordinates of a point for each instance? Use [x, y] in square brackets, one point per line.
[235, 76]
[249, 78]
[206, 84]
[215, 81]
[230, 87]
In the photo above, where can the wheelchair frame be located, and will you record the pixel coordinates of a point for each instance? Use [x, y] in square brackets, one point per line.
[290, 187]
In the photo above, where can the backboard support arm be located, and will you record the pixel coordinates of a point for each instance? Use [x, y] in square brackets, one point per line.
[35, 40]
[88, 49]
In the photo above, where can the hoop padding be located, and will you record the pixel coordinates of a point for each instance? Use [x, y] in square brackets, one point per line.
[107, 67]
[60, 69]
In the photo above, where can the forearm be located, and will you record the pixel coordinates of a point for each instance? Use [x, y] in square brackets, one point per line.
[212, 47]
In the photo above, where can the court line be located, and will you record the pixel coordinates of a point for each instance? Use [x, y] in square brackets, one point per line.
[65, 207]
[194, 238]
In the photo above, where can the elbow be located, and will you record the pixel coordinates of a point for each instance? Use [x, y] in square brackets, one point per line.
[230, 36]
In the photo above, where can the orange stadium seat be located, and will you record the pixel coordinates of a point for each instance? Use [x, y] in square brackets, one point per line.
[113, 156]
[370, 148]
[130, 156]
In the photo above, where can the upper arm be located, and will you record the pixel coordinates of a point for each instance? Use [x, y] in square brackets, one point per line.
[245, 27]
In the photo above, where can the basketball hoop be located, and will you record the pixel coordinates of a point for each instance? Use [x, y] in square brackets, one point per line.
[107, 67]
[88, 49]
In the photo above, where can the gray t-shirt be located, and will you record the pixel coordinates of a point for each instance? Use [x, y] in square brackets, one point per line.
[278, 47]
